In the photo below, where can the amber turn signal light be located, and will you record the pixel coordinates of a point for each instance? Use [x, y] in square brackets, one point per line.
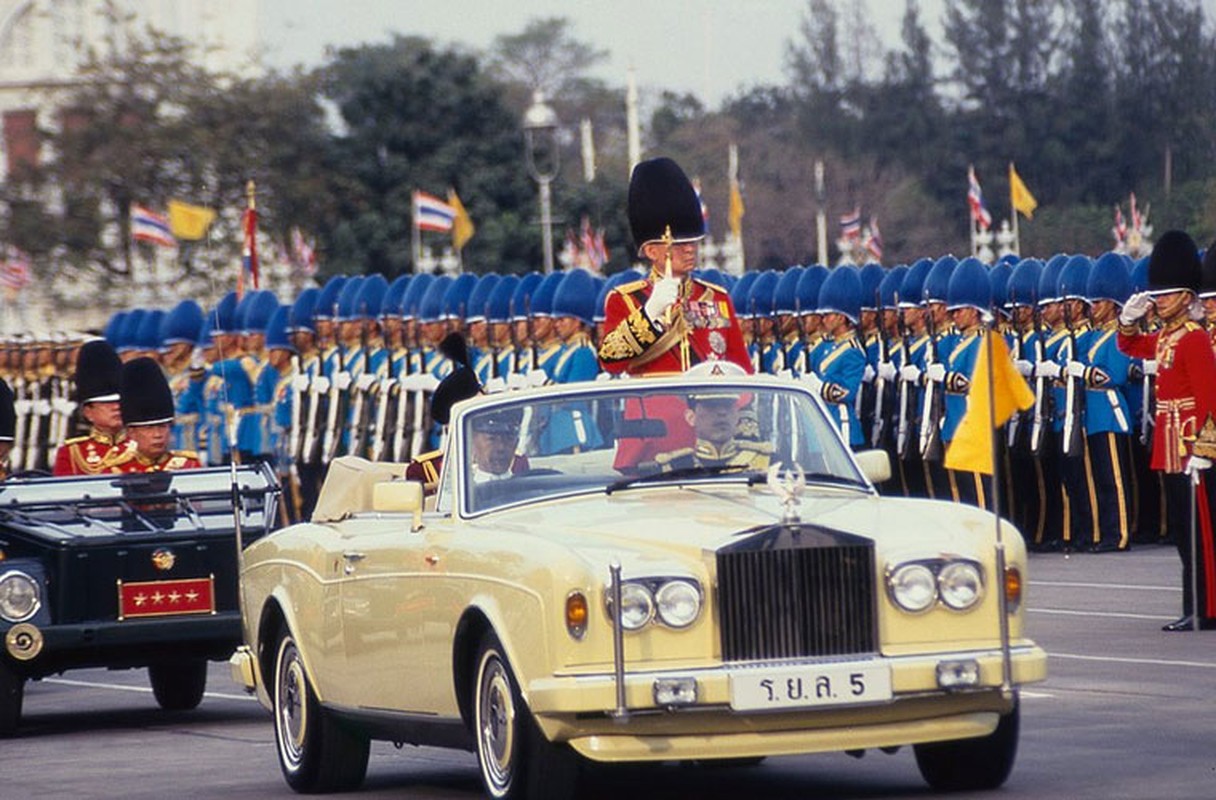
[576, 614]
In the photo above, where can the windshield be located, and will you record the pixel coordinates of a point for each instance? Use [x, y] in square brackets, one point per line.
[542, 447]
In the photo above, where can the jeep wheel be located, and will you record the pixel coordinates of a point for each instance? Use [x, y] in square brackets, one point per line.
[516, 759]
[179, 686]
[972, 764]
[12, 692]
[316, 753]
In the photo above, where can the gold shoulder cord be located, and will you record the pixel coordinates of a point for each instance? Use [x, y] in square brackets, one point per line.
[669, 316]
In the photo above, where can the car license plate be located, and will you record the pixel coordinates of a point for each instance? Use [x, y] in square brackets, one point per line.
[809, 686]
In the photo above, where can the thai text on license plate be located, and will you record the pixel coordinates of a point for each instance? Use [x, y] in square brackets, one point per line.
[809, 686]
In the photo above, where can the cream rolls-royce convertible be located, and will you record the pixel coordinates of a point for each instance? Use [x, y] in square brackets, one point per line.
[638, 570]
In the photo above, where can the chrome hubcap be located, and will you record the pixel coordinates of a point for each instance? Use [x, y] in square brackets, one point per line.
[496, 726]
[291, 713]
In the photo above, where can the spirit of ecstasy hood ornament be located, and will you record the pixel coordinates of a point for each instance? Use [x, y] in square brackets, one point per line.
[789, 488]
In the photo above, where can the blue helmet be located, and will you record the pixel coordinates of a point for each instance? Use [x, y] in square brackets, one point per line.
[431, 307]
[809, 284]
[969, 286]
[891, 285]
[713, 276]
[500, 299]
[147, 337]
[872, 276]
[479, 299]
[204, 331]
[912, 291]
[182, 323]
[998, 278]
[113, 329]
[301, 317]
[1049, 280]
[1140, 275]
[761, 299]
[937, 282]
[1074, 277]
[223, 316]
[128, 335]
[411, 301]
[276, 330]
[348, 300]
[1109, 280]
[1023, 286]
[391, 307]
[260, 306]
[370, 302]
[787, 291]
[456, 298]
[542, 298]
[841, 293]
[575, 296]
[521, 301]
[327, 302]
[740, 293]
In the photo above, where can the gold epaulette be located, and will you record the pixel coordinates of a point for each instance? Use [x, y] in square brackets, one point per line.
[666, 458]
[76, 439]
[709, 285]
[632, 286]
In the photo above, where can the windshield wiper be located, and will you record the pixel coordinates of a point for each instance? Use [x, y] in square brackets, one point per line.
[676, 474]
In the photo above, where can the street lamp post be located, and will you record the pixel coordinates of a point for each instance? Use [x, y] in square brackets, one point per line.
[540, 138]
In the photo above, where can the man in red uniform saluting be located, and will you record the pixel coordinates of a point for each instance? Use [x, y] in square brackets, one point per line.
[1184, 432]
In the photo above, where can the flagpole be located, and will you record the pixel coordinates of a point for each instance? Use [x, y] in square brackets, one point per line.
[1003, 600]
[1013, 211]
[415, 233]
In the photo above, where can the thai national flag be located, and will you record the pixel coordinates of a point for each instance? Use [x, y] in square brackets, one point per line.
[874, 240]
[1120, 229]
[975, 199]
[148, 226]
[432, 214]
[850, 225]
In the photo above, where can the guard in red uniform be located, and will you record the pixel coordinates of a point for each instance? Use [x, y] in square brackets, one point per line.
[669, 321]
[1184, 434]
[98, 371]
[147, 410]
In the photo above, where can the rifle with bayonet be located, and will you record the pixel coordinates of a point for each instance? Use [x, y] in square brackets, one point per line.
[1074, 395]
[931, 448]
[1041, 412]
[878, 425]
[903, 428]
[360, 391]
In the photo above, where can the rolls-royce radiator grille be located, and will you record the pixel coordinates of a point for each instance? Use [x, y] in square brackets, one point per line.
[798, 602]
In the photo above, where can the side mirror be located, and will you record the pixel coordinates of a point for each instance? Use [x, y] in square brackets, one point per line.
[399, 497]
[875, 465]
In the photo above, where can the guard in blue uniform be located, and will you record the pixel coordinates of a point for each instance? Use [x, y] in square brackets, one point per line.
[1076, 467]
[968, 297]
[838, 371]
[910, 398]
[789, 338]
[572, 428]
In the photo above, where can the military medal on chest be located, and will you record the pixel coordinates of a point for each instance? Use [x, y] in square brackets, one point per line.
[717, 343]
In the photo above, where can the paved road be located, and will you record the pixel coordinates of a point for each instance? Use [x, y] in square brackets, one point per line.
[1128, 712]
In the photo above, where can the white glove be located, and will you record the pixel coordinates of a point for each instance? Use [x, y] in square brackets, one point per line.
[1046, 369]
[320, 384]
[197, 361]
[1195, 465]
[42, 408]
[867, 375]
[342, 381]
[886, 370]
[1025, 368]
[494, 386]
[22, 407]
[517, 381]
[936, 371]
[364, 382]
[1076, 369]
[910, 373]
[300, 383]
[427, 382]
[1150, 367]
[813, 381]
[538, 377]
[662, 296]
[1136, 307]
[1196, 311]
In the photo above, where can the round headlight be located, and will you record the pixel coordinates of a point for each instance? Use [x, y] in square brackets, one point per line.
[960, 584]
[20, 596]
[913, 587]
[678, 603]
[637, 606]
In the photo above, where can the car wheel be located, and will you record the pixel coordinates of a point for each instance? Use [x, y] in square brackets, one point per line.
[12, 692]
[316, 753]
[972, 764]
[180, 686]
[516, 759]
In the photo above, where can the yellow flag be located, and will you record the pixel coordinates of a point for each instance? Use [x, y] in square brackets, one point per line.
[734, 213]
[971, 449]
[1019, 196]
[462, 224]
[189, 222]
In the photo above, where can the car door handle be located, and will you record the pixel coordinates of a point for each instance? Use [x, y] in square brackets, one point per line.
[352, 557]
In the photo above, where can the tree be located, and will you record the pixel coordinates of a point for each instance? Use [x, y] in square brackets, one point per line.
[545, 58]
[418, 117]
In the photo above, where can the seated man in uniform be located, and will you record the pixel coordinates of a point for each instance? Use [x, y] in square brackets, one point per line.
[715, 418]
[147, 410]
